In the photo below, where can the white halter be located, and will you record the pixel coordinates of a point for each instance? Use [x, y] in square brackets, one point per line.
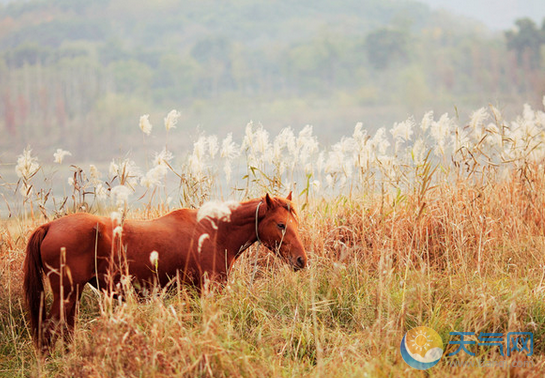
[257, 223]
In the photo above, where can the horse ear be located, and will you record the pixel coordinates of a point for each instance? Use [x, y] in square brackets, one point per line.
[289, 196]
[269, 200]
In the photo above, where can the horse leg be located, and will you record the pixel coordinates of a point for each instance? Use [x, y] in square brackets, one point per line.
[104, 285]
[62, 315]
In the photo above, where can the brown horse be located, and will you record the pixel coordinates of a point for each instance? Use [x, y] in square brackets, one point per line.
[186, 245]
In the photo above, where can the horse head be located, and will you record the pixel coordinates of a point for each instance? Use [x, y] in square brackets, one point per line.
[278, 230]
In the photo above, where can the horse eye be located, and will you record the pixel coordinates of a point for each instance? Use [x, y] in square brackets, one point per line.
[281, 226]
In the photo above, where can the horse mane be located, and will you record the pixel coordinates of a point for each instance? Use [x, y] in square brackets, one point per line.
[286, 204]
[278, 201]
[222, 211]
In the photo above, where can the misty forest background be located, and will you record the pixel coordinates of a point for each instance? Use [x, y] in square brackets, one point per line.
[77, 75]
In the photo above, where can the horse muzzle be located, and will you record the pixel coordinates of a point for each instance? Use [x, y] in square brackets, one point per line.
[299, 263]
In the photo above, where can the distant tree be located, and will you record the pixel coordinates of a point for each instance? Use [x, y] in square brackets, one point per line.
[212, 49]
[131, 76]
[214, 56]
[112, 51]
[527, 39]
[27, 53]
[175, 78]
[54, 33]
[386, 46]
[315, 65]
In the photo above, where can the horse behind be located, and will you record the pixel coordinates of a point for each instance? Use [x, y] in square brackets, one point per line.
[186, 244]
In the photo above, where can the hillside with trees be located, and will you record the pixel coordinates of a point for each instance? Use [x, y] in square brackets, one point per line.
[78, 74]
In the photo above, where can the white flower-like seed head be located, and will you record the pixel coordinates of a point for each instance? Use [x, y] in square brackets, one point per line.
[154, 258]
[171, 119]
[60, 154]
[118, 231]
[145, 124]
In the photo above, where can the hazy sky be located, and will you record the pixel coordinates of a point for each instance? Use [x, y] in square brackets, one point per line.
[496, 14]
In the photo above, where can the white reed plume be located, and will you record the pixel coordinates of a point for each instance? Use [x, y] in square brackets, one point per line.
[289, 141]
[121, 194]
[163, 158]
[196, 161]
[196, 165]
[114, 169]
[127, 172]
[118, 231]
[284, 140]
[154, 176]
[100, 192]
[215, 210]
[256, 143]
[528, 123]
[284, 151]
[213, 145]
[540, 119]
[427, 120]
[307, 146]
[440, 130]
[340, 160]
[461, 139]
[359, 135]
[145, 124]
[379, 141]
[419, 152]
[229, 149]
[494, 139]
[476, 124]
[526, 136]
[228, 170]
[388, 167]
[320, 161]
[60, 155]
[116, 217]
[261, 141]
[26, 189]
[496, 113]
[335, 160]
[403, 131]
[248, 136]
[154, 258]
[363, 150]
[27, 165]
[94, 174]
[200, 147]
[172, 119]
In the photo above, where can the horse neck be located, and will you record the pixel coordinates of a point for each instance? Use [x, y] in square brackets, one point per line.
[240, 231]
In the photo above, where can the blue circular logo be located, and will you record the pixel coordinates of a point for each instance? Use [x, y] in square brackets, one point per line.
[421, 348]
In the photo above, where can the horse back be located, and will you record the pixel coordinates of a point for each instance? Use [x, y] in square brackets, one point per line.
[95, 245]
[76, 240]
[170, 238]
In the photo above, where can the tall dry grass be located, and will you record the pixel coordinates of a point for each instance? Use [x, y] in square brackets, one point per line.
[452, 242]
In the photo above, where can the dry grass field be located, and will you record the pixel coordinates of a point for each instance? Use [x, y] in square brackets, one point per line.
[430, 224]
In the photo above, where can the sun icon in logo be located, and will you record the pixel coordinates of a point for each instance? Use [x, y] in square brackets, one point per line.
[419, 341]
[421, 348]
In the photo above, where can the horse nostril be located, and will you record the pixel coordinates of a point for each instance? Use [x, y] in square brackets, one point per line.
[301, 262]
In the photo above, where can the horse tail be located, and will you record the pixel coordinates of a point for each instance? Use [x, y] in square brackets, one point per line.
[33, 281]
